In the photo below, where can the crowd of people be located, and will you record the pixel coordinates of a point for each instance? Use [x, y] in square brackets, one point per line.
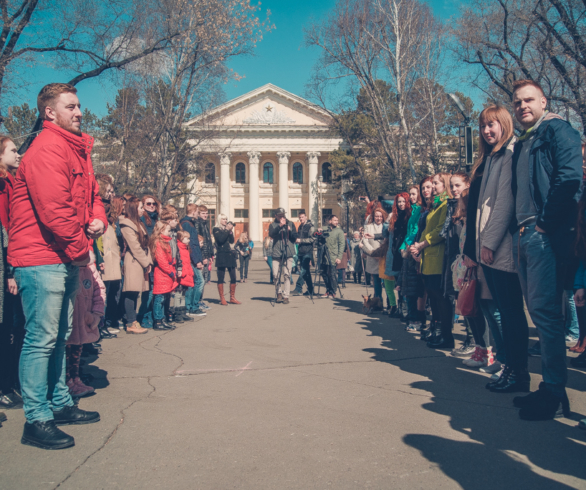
[82, 264]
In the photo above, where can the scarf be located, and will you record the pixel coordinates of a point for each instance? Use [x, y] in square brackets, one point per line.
[527, 133]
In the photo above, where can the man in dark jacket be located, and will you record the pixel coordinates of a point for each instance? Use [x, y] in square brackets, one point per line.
[305, 242]
[193, 295]
[207, 249]
[333, 249]
[284, 236]
[56, 212]
[547, 172]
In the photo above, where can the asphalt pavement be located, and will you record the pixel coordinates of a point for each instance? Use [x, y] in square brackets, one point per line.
[313, 394]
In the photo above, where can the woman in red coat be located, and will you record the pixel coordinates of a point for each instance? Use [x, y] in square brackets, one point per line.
[165, 275]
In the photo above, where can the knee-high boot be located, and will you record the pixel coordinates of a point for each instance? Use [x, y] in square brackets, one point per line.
[221, 291]
[233, 299]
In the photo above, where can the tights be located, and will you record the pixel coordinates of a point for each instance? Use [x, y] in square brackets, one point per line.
[73, 358]
[130, 301]
[222, 271]
[442, 308]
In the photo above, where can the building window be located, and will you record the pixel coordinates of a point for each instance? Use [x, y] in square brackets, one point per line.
[297, 173]
[211, 219]
[210, 173]
[240, 173]
[296, 212]
[267, 173]
[268, 213]
[326, 173]
[241, 213]
[325, 215]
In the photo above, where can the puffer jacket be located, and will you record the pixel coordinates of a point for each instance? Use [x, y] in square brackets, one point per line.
[305, 234]
[165, 272]
[187, 273]
[91, 298]
[207, 248]
[55, 198]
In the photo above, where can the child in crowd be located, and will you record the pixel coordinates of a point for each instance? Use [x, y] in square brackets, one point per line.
[165, 275]
[89, 308]
[186, 277]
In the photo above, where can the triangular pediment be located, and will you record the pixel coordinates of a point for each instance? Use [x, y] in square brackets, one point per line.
[267, 106]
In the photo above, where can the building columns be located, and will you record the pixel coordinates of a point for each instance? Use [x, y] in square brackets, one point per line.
[225, 183]
[284, 180]
[254, 231]
[312, 158]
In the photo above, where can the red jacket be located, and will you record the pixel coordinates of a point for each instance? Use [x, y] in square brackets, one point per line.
[165, 274]
[186, 278]
[6, 191]
[55, 199]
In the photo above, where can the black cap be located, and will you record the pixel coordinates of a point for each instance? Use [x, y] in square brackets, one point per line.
[280, 211]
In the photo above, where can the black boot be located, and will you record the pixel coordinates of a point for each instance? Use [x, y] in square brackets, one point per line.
[430, 333]
[45, 435]
[168, 323]
[161, 325]
[514, 381]
[75, 416]
[542, 405]
[105, 334]
[441, 342]
[177, 318]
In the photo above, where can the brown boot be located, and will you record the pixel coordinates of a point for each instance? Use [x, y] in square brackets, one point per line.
[579, 347]
[233, 299]
[136, 328]
[221, 291]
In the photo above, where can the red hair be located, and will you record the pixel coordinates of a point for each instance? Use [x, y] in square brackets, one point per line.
[395, 213]
[378, 210]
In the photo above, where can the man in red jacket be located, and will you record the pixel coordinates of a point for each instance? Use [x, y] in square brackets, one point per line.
[56, 212]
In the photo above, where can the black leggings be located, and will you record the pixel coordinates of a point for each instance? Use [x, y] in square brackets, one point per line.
[112, 300]
[130, 301]
[222, 270]
[442, 308]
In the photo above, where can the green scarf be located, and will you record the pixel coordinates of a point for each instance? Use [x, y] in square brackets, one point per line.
[437, 200]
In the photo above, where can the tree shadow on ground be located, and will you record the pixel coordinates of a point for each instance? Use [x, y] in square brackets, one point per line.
[502, 451]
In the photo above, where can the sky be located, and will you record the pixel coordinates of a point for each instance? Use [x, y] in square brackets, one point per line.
[281, 58]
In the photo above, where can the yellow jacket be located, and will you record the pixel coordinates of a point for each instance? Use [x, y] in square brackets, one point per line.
[433, 256]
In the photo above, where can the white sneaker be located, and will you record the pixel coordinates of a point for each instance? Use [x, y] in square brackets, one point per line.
[478, 359]
[411, 328]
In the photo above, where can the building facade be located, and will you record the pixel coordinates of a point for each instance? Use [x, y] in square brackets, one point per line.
[270, 149]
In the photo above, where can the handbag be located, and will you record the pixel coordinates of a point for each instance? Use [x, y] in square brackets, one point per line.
[467, 297]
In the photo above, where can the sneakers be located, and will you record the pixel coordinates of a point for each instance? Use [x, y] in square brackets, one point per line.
[199, 312]
[325, 296]
[296, 293]
[571, 340]
[481, 357]
[78, 389]
[203, 306]
[411, 328]
[465, 350]
[496, 376]
[45, 435]
[492, 368]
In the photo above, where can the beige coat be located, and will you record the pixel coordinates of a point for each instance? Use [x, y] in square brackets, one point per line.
[136, 260]
[370, 245]
[111, 255]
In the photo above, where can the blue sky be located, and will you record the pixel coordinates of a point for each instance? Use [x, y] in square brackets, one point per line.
[280, 58]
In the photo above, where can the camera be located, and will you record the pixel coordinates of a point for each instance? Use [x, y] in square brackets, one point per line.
[321, 236]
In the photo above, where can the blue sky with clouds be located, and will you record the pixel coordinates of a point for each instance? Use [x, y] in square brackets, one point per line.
[281, 57]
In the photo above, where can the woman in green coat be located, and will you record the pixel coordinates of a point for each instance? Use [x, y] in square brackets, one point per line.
[431, 250]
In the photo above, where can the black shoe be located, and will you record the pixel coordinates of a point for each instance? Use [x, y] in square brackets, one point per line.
[105, 334]
[161, 325]
[441, 343]
[543, 405]
[8, 400]
[515, 381]
[177, 318]
[296, 293]
[45, 435]
[432, 334]
[168, 324]
[74, 416]
[579, 361]
[535, 398]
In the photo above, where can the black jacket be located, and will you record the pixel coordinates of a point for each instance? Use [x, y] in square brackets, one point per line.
[305, 235]
[555, 173]
[225, 256]
[283, 237]
[207, 249]
[190, 226]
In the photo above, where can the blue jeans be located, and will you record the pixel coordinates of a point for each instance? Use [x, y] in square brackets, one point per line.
[161, 305]
[572, 327]
[193, 295]
[270, 264]
[542, 284]
[145, 311]
[493, 318]
[48, 295]
[304, 273]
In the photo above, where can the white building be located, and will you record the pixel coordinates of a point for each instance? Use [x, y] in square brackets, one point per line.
[271, 150]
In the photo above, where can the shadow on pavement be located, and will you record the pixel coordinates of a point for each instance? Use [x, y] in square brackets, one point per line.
[503, 451]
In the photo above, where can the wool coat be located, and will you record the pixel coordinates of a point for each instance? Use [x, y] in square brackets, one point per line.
[432, 258]
[111, 255]
[225, 256]
[136, 259]
[370, 245]
[90, 301]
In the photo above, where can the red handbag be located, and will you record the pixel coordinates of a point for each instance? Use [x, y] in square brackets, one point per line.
[467, 296]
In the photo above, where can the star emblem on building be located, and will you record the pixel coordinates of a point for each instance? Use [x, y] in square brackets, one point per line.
[269, 108]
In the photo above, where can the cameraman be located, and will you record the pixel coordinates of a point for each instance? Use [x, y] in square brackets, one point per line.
[305, 254]
[284, 235]
[334, 244]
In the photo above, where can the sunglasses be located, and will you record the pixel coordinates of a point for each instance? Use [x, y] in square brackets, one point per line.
[149, 204]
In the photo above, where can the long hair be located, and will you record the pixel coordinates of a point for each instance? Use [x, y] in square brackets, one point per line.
[147, 218]
[461, 209]
[156, 239]
[116, 209]
[219, 220]
[378, 210]
[266, 242]
[419, 198]
[372, 205]
[462, 175]
[425, 204]
[445, 177]
[131, 213]
[243, 238]
[395, 213]
[492, 113]
[3, 142]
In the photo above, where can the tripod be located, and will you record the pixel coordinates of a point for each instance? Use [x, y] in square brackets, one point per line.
[322, 250]
[282, 261]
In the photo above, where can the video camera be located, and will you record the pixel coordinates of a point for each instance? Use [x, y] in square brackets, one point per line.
[321, 236]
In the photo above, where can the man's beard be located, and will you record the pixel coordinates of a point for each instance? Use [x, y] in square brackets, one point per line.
[67, 125]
